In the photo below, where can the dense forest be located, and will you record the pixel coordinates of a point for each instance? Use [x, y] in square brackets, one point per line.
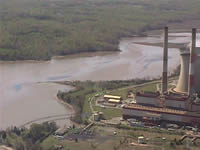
[40, 29]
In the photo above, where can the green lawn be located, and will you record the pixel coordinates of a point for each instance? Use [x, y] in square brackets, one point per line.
[49, 142]
[109, 113]
[150, 88]
[107, 141]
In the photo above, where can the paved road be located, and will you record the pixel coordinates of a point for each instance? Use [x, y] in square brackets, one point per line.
[49, 119]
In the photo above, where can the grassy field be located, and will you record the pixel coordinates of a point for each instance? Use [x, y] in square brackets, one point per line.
[49, 142]
[104, 139]
[84, 91]
[35, 29]
[151, 87]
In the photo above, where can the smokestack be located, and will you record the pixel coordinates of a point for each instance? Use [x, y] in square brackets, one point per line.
[192, 64]
[165, 60]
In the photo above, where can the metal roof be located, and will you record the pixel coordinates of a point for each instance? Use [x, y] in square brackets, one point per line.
[114, 100]
[162, 110]
[112, 97]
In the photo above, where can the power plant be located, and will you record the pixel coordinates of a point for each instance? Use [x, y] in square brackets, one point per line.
[179, 105]
[190, 62]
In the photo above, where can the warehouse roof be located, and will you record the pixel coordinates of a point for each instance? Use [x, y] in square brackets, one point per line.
[112, 97]
[114, 101]
[154, 109]
[161, 110]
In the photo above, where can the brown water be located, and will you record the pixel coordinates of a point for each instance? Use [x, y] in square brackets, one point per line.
[24, 99]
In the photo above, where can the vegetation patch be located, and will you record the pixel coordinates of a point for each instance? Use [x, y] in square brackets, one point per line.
[27, 139]
[38, 30]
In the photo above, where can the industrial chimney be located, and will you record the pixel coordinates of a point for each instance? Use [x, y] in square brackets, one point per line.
[191, 82]
[165, 60]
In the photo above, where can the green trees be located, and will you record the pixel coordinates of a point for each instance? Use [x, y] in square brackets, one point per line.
[38, 132]
[27, 139]
[37, 30]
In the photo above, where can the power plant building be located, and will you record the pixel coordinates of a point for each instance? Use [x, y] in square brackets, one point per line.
[182, 86]
[180, 104]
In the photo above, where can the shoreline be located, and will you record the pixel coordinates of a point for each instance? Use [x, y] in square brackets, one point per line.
[71, 55]
[176, 27]
[66, 105]
[170, 45]
[72, 109]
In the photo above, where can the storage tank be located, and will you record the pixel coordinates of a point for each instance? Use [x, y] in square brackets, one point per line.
[182, 86]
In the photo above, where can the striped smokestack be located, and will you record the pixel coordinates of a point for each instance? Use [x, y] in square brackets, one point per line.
[165, 61]
[192, 64]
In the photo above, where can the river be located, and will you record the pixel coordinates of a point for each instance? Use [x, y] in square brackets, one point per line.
[27, 92]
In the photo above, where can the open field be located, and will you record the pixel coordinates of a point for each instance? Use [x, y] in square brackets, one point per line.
[38, 30]
[101, 137]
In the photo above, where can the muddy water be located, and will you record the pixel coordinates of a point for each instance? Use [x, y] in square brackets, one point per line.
[24, 99]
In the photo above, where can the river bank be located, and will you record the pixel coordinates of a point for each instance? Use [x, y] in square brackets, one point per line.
[25, 84]
[174, 27]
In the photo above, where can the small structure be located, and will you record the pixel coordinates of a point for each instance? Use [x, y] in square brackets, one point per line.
[141, 140]
[131, 95]
[101, 116]
[58, 147]
[61, 131]
[136, 123]
[96, 117]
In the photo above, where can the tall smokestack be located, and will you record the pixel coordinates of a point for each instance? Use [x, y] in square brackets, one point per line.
[165, 60]
[192, 64]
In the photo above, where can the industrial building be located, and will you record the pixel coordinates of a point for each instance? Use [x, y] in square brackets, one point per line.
[113, 99]
[107, 97]
[179, 105]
